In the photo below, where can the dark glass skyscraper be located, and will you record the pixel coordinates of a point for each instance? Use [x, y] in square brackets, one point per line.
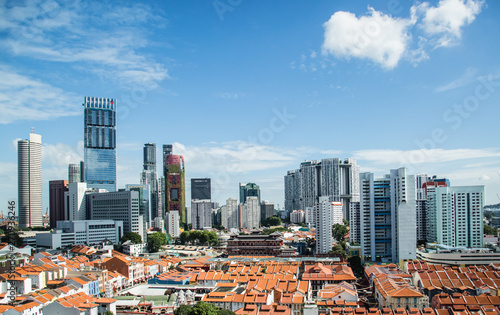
[150, 157]
[200, 189]
[100, 142]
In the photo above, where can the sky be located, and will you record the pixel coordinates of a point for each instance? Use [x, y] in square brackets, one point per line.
[247, 90]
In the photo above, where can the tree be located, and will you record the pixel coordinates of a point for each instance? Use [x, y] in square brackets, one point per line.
[202, 308]
[183, 310]
[1, 232]
[184, 237]
[133, 237]
[225, 312]
[488, 230]
[272, 221]
[12, 238]
[355, 264]
[339, 231]
[156, 241]
[108, 313]
[338, 250]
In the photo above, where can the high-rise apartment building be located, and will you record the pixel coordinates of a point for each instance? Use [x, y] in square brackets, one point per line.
[57, 188]
[266, 209]
[201, 189]
[29, 181]
[455, 215]
[201, 214]
[100, 142]
[422, 183]
[172, 223]
[229, 214]
[336, 179]
[387, 224]
[250, 213]
[249, 190]
[175, 186]
[326, 214]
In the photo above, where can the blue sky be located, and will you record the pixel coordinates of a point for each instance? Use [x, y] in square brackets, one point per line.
[246, 90]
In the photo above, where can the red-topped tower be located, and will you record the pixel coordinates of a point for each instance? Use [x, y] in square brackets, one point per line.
[175, 191]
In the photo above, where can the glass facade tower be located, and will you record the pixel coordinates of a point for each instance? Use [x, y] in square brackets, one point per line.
[100, 143]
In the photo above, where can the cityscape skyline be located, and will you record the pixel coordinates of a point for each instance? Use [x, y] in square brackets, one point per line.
[444, 103]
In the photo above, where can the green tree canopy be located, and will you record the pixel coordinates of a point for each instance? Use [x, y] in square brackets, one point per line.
[201, 308]
[488, 230]
[156, 241]
[133, 237]
[338, 250]
[108, 313]
[12, 238]
[339, 231]
[184, 237]
[272, 221]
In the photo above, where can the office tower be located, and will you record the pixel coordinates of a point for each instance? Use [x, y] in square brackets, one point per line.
[76, 202]
[266, 209]
[201, 189]
[167, 150]
[57, 188]
[172, 223]
[215, 205]
[74, 173]
[326, 214]
[293, 191]
[100, 143]
[250, 213]
[201, 214]
[29, 174]
[388, 216]
[249, 190]
[82, 171]
[175, 186]
[144, 203]
[150, 157]
[119, 206]
[161, 196]
[455, 215]
[230, 215]
[334, 178]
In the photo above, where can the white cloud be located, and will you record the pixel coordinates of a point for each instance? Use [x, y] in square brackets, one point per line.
[103, 44]
[387, 40]
[466, 78]
[22, 97]
[376, 36]
[446, 20]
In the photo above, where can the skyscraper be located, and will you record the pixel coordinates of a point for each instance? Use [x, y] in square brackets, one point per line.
[167, 150]
[149, 176]
[150, 157]
[387, 227]
[201, 214]
[326, 214]
[334, 178]
[175, 186]
[74, 173]
[249, 190]
[250, 213]
[229, 214]
[57, 188]
[29, 172]
[201, 189]
[455, 215]
[100, 142]
[266, 209]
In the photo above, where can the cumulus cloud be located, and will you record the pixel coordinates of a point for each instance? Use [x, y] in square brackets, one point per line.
[447, 19]
[387, 40]
[376, 36]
